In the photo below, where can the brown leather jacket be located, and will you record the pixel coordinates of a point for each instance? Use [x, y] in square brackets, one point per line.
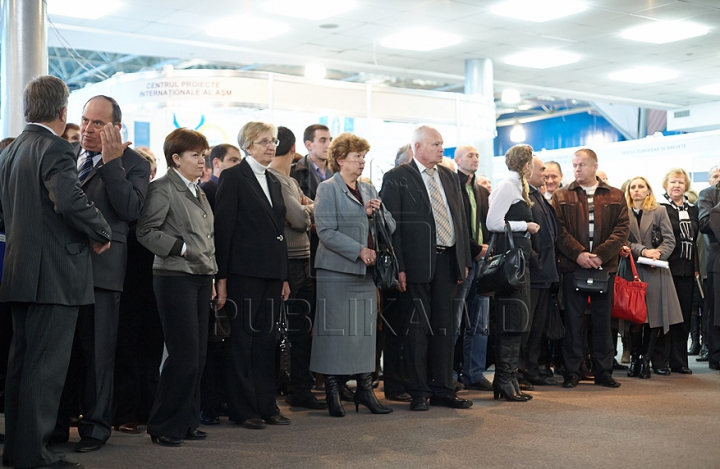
[612, 225]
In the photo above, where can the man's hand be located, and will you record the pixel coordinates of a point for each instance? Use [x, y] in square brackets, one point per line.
[589, 261]
[112, 145]
[402, 285]
[467, 271]
[221, 289]
[100, 248]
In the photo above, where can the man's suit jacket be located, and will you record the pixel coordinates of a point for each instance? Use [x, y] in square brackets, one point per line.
[118, 190]
[343, 225]
[481, 201]
[249, 232]
[708, 200]
[406, 197]
[305, 174]
[47, 220]
[210, 190]
[543, 259]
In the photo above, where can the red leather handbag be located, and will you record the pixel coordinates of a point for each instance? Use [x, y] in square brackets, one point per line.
[629, 300]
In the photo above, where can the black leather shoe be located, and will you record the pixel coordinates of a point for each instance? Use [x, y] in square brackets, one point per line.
[453, 402]
[308, 402]
[278, 419]
[399, 397]
[457, 385]
[196, 434]
[713, 365]
[606, 380]
[166, 440]
[88, 445]
[130, 427]
[662, 371]
[65, 464]
[571, 381]
[483, 384]
[419, 403]
[541, 380]
[253, 424]
[683, 370]
[207, 419]
[618, 366]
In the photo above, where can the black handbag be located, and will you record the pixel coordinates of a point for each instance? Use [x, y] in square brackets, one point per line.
[590, 280]
[387, 269]
[501, 273]
[656, 236]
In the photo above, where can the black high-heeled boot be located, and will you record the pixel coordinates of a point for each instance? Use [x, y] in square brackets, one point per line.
[645, 370]
[364, 395]
[507, 356]
[634, 368]
[332, 396]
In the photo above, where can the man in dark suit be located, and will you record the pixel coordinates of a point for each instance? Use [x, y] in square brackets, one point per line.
[433, 252]
[708, 207]
[47, 269]
[475, 341]
[115, 178]
[221, 157]
[543, 273]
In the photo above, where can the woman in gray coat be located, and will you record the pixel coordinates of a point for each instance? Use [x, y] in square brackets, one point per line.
[346, 315]
[176, 225]
[651, 235]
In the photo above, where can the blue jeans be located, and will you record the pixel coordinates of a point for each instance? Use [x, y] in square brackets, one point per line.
[477, 309]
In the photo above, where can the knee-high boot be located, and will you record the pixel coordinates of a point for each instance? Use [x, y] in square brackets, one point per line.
[506, 360]
[364, 395]
[332, 396]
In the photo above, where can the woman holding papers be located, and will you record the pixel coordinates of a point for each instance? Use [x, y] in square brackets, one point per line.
[651, 236]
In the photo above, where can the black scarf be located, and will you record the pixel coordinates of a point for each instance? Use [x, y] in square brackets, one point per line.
[687, 235]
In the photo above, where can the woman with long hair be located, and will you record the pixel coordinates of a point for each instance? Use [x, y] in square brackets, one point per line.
[510, 203]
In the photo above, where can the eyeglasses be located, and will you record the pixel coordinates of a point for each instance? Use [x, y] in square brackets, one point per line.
[267, 143]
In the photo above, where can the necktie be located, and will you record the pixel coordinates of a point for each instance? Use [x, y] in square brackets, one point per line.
[87, 165]
[442, 219]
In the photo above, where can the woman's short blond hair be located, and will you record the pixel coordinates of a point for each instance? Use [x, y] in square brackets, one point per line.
[677, 172]
[250, 131]
[342, 146]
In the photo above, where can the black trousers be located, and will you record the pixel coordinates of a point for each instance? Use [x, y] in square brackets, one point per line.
[213, 385]
[713, 321]
[251, 358]
[184, 303]
[92, 369]
[429, 325]
[395, 379]
[534, 340]
[600, 307]
[137, 359]
[5, 339]
[677, 337]
[300, 315]
[39, 357]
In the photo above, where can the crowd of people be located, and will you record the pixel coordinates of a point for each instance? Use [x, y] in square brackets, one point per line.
[104, 269]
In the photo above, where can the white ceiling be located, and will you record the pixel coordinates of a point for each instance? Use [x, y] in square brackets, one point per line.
[176, 28]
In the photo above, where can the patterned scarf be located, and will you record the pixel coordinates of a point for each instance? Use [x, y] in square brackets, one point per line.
[687, 234]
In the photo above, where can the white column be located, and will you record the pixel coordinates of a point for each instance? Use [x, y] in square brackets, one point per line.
[24, 57]
[479, 80]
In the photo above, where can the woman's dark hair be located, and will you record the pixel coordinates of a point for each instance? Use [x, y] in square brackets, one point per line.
[182, 140]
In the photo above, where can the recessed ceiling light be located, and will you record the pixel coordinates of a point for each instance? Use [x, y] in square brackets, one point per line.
[309, 9]
[710, 89]
[247, 28]
[644, 75]
[538, 10]
[546, 58]
[662, 32]
[315, 71]
[86, 9]
[517, 134]
[420, 39]
[510, 96]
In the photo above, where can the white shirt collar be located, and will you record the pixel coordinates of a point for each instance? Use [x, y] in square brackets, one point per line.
[421, 166]
[45, 126]
[187, 182]
[255, 166]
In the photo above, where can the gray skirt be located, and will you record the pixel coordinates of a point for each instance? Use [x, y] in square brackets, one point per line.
[344, 333]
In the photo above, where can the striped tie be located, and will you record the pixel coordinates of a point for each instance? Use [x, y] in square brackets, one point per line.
[442, 219]
[87, 165]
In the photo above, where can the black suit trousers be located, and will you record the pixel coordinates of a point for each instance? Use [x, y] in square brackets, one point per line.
[184, 304]
[600, 307]
[430, 329]
[394, 371]
[534, 339]
[300, 315]
[39, 357]
[251, 359]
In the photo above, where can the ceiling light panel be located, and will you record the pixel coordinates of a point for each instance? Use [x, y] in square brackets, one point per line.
[542, 59]
[538, 11]
[662, 32]
[710, 89]
[309, 9]
[247, 28]
[642, 75]
[420, 39]
[85, 9]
